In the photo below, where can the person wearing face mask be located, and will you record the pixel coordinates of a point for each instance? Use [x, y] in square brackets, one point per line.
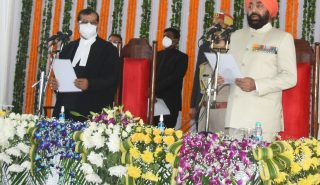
[266, 58]
[97, 65]
[115, 39]
[171, 67]
[203, 70]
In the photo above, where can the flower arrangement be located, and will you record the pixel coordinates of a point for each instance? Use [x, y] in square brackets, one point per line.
[151, 156]
[215, 159]
[14, 148]
[99, 145]
[290, 162]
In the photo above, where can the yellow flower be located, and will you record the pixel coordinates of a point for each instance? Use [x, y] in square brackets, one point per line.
[295, 168]
[168, 131]
[157, 139]
[147, 157]
[138, 129]
[158, 150]
[134, 152]
[281, 177]
[150, 176]
[318, 150]
[179, 134]
[306, 151]
[303, 182]
[306, 164]
[134, 172]
[147, 139]
[148, 130]
[134, 137]
[170, 158]
[314, 162]
[156, 131]
[2, 113]
[169, 140]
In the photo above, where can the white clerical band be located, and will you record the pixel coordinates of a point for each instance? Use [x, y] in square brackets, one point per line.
[83, 51]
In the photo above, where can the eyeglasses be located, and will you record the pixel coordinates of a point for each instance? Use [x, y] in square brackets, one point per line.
[258, 6]
[86, 22]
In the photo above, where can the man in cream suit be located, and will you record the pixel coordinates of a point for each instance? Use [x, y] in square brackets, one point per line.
[266, 57]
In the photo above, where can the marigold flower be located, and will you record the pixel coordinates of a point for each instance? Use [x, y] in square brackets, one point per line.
[150, 176]
[148, 130]
[147, 157]
[169, 140]
[157, 139]
[170, 158]
[169, 131]
[295, 168]
[134, 152]
[179, 134]
[156, 131]
[147, 139]
[134, 172]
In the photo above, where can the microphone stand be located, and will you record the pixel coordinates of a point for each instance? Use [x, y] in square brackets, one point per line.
[44, 79]
[214, 76]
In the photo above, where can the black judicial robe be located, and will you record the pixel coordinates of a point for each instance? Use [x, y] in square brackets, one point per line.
[102, 71]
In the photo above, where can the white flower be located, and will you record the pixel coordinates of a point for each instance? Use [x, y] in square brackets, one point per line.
[128, 114]
[118, 171]
[87, 138]
[110, 126]
[21, 131]
[86, 168]
[32, 124]
[98, 140]
[26, 165]
[15, 168]
[96, 159]
[13, 151]
[114, 143]
[94, 178]
[129, 128]
[23, 147]
[108, 131]
[5, 158]
[116, 129]
[124, 134]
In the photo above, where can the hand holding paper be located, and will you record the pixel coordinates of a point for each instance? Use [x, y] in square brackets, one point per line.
[228, 67]
[65, 75]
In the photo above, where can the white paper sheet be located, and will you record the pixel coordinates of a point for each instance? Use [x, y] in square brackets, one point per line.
[228, 68]
[65, 75]
[160, 108]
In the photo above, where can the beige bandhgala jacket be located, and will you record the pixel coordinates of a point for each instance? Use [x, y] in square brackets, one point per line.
[268, 56]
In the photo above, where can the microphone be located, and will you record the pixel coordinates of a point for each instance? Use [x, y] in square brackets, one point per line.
[54, 37]
[213, 29]
[228, 31]
[65, 36]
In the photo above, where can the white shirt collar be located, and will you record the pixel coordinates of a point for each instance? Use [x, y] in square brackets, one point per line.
[83, 51]
[264, 29]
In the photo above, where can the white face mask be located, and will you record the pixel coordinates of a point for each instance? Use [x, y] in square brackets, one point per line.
[166, 42]
[88, 31]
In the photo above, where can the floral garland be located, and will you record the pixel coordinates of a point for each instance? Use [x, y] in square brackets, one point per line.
[66, 15]
[117, 16]
[145, 19]
[276, 21]
[43, 51]
[22, 55]
[208, 15]
[309, 9]
[162, 16]
[176, 8]
[92, 4]
[238, 13]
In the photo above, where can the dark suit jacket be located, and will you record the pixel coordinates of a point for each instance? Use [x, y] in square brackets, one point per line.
[171, 67]
[102, 69]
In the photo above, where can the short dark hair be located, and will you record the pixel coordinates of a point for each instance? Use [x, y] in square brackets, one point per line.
[87, 11]
[115, 35]
[174, 31]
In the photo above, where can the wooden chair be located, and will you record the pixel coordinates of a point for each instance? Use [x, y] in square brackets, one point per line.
[298, 114]
[139, 55]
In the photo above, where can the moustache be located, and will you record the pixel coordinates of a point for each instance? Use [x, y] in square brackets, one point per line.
[255, 14]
